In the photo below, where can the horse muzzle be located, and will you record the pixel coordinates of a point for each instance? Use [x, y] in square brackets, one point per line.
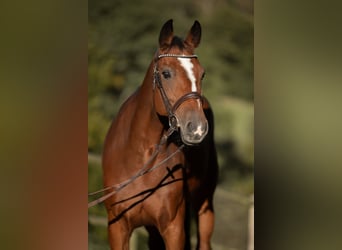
[193, 132]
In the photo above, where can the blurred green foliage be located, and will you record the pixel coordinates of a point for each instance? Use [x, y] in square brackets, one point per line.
[122, 39]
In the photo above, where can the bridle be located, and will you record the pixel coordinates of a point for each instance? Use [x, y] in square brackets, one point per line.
[173, 121]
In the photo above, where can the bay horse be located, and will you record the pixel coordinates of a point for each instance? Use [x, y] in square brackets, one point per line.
[161, 149]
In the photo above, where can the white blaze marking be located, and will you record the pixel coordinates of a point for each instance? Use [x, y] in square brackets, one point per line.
[199, 131]
[188, 66]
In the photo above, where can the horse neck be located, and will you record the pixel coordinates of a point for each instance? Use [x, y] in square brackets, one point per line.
[146, 121]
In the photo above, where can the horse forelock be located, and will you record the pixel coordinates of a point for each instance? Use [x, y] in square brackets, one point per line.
[177, 42]
[177, 46]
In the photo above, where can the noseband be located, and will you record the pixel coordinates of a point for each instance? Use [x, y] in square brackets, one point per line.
[173, 121]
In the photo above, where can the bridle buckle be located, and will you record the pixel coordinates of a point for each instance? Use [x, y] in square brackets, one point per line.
[173, 122]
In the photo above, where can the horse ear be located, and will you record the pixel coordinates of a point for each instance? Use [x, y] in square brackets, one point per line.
[166, 35]
[194, 36]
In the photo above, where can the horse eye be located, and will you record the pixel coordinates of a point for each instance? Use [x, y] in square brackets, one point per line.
[166, 74]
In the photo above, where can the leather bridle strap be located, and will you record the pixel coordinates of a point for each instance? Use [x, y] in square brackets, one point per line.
[157, 80]
[176, 55]
[191, 95]
[173, 122]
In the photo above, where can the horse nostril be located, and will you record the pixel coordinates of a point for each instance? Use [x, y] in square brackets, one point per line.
[190, 127]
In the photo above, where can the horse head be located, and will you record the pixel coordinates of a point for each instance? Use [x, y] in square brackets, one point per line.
[178, 76]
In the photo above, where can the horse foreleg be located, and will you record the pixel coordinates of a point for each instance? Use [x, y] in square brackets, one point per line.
[174, 233]
[118, 236]
[206, 220]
